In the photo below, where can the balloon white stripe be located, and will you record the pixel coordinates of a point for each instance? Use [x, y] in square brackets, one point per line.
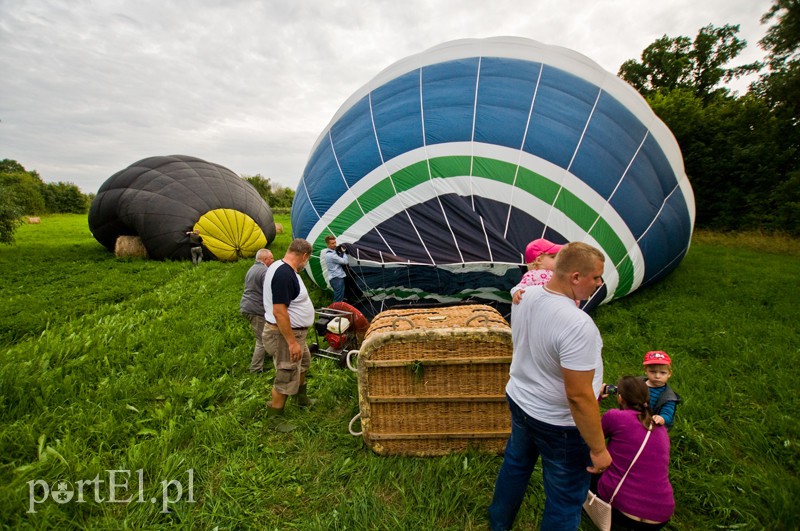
[380, 154]
[347, 186]
[661, 209]
[310, 202]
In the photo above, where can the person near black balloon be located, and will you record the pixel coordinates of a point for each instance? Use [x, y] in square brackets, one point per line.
[196, 245]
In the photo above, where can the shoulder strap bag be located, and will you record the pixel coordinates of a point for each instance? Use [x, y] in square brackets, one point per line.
[600, 511]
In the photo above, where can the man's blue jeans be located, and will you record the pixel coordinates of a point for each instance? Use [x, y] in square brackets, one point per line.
[565, 457]
[338, 288]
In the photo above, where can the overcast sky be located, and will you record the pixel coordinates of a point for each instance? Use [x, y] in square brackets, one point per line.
[90, 86]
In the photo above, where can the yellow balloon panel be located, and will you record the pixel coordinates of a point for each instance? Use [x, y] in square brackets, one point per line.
[230, 234]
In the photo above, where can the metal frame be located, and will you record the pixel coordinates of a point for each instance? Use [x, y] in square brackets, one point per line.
[339, 355]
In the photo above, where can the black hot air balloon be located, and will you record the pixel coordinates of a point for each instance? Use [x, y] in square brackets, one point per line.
[159, 199]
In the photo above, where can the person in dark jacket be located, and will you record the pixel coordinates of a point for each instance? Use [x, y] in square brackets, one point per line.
[252, 304]
[196, 245]
[663, 399]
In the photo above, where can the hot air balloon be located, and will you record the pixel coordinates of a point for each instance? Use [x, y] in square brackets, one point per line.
[159, 199]
[439, 171]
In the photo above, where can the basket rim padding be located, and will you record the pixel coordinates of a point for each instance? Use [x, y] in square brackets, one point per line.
[374, 342]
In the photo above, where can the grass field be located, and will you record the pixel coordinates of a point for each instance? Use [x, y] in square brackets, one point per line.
[141, 368]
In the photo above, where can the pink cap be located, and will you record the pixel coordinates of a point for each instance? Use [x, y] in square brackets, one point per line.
[540, 246]
[657, 357]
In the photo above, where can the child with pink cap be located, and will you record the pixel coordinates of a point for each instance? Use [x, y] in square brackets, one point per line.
[540, 255]
[663, 400]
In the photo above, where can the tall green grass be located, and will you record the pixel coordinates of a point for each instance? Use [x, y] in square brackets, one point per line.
[110, 364]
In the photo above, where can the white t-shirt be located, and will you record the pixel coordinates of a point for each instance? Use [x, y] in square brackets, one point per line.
[549, 332]
[282, 285]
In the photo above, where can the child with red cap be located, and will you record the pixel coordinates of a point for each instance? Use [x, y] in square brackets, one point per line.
[663, 400]
[540, 255]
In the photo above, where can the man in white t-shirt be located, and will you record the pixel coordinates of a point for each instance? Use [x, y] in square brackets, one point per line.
[288, 312]
[556, 376]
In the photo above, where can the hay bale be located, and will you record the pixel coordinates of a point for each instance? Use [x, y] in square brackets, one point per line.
[129, 247]
[278, 228]
[34, 220]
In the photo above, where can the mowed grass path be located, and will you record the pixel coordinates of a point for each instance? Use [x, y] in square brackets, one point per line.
[141, 367]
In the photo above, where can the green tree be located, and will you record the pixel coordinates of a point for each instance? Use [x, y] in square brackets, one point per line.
[786, 197]
[731, 155]
[11, 166]
[262, 185]
[665, 66]
[779, 87]
[283, 197]
[671, 63]
[783, 38]
[64, 198]
[277, 197]
[740, 153]
[25, 187]
[10, 214]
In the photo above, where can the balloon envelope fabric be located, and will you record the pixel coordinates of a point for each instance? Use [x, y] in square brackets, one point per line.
[159, 199]
[438, 172]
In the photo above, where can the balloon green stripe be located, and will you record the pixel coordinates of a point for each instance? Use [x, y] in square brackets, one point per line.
[602, 232]
[531, 182]
[449, 166]
[597, 227]
[375, 196]
[411, 176]
[527, 180]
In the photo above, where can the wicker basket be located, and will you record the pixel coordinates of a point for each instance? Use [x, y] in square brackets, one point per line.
[432, 381]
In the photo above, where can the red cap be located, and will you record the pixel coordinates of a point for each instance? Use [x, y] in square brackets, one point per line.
[657, 357]
[540, 246]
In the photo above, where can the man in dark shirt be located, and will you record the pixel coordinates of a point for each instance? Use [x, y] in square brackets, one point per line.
[288, 312]
[196, 245]
[252, 304]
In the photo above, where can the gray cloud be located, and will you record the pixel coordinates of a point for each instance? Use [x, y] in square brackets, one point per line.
[90, 87]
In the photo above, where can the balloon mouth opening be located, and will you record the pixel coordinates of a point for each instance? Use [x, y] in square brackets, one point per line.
[230, 234]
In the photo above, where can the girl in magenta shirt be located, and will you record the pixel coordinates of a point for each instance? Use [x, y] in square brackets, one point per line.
[645, 500]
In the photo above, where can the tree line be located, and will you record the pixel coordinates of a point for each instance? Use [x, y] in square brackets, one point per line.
[279, 198]
[741, 153]
[24, 193]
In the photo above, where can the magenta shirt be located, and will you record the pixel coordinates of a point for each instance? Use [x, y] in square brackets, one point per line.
[646, 492]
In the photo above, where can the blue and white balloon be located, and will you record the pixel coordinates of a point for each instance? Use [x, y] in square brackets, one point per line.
[441, 170]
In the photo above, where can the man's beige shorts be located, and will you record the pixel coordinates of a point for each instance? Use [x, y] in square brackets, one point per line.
[287, 372]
